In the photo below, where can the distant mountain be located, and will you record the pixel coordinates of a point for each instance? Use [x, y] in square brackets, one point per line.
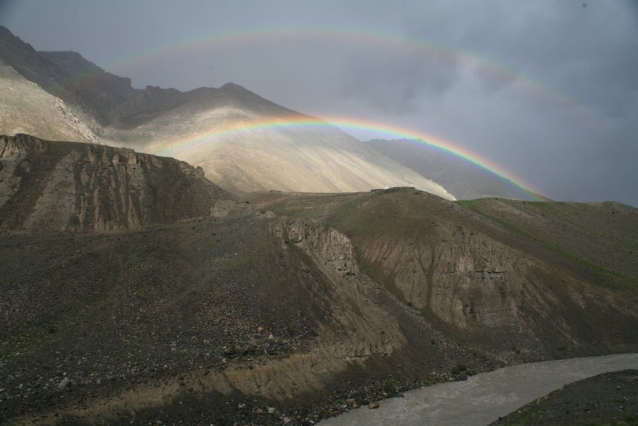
[26, 108]
[458, 176]
[286, 157]
[68, 76]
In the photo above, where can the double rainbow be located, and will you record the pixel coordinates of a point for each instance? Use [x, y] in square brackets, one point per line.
[376, 39]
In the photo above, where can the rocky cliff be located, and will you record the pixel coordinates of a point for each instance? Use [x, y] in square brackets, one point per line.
[55, 186]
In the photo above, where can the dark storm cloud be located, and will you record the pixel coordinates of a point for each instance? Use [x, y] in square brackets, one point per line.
[548, 89]
[396, 82]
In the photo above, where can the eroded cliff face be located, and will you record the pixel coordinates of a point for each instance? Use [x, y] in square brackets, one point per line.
[461, 276]
[496, 284]
[54, 186]
[357, 328]
[475, 276]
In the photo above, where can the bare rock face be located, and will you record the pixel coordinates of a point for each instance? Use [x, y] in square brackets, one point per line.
[53, 186]
[330, 248]
[358, 328]
[460, 276]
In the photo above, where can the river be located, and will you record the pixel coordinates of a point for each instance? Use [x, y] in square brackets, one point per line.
[483, 398]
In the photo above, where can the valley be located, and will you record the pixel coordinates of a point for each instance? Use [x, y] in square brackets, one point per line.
[132, 294]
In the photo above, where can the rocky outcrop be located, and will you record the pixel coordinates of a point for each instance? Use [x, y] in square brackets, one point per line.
[462, 277]
[55, 186]
[359, 326]
[330, 248]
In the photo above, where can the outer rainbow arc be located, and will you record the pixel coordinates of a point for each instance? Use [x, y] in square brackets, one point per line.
[174, 148]
[360, 36]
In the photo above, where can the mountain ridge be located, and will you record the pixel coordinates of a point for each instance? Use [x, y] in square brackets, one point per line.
[286, 157]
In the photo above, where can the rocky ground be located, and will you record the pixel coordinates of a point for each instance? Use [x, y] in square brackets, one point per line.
[608, 399]
[210, 320]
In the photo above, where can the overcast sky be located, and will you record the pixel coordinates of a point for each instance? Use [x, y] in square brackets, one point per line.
[546, 89]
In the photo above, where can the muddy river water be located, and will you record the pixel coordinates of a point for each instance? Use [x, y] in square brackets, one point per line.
[482, 398]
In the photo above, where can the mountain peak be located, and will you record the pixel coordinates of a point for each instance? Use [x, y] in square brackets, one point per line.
[233, 87]
[4, 31]
[10, 39]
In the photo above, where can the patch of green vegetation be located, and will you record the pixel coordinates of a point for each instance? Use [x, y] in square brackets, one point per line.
[479, 354]
[459, 368]
[390, 388]
[474, 206]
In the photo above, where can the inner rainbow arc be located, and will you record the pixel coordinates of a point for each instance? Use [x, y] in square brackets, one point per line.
[473, 159]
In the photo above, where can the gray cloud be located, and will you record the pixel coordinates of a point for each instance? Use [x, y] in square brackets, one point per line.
[547, 89]
[396, 82]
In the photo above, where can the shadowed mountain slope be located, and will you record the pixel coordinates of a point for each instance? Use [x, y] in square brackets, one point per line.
[89, 90]
[462, 179]
[26, 108]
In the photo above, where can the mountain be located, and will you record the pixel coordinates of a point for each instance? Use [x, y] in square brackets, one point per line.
[136, 291]
[462, 179]
[285, 156]
[89, 90]
[26, 108]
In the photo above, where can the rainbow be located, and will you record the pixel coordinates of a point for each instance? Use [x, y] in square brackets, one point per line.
[383, 130]
[419, 46]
